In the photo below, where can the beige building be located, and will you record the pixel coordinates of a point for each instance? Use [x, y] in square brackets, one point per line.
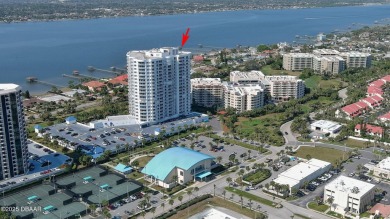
[328, 64]
[356, 59]
[284, 87]
[252, 77]
[297, 61]
[207, 92]
[326, 60]
[243, 97]
[349, 195]
[382, 169]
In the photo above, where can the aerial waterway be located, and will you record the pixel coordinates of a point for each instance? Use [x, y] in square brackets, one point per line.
[47, 50]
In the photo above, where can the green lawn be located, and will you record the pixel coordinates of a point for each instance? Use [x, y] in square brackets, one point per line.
[356, 144]
[316, 81]
[258, 176]
[321, 208]
[334, 214]
[269, 124]
[267, 70]
[144, 160]
[325, 154]
[250, 196]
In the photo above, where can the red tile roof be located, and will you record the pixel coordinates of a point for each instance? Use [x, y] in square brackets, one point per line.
[377, 98]
[385, 116]
[378, 83]
[386, 78]
[351, 109]
[361, 105]
[94, 84]
[383, 209]
[122, 79]
[371, 128]
[374, 90]
[198, 58]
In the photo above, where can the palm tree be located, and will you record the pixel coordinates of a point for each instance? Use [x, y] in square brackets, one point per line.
[308, 156]
[232, 197]
[266, 186]
[224, 194]
[180, 198]
[196, 189]
[241, 173]
[250, 204]
[330, 202]
[249, 154]
[163, 206]
[214, 188]
[219, 158]
[147, 198]
[171, 201]
[241, 200]
[229, 180]
[189, 193]
[305, 184]
[92, 207]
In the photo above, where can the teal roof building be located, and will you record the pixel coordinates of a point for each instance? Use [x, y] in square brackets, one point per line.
[184, 163]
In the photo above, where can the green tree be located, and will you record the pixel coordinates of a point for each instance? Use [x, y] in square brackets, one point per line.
[262, 47]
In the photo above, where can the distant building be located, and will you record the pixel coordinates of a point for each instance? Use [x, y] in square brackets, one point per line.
[13, 134]
[326, 126]
[357, 59]
[123, 169]
[119, 81]
[243, 97]
[328, 64]
[303, 172]
[94, 85]
[382, 169]
[372, 130]
[297, 61]
[321, 37]
[159, 84]
[349, 195]
[251, 77]
[207, 92]
[326, 61]
[178, 165]
[356, 109]
[384, 118]
[285, 87]
[70, 120]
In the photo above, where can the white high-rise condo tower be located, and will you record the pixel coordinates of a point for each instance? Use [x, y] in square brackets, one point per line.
[159, 84]
[13, 135]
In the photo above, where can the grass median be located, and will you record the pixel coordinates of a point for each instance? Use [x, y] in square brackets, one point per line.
[251, 196]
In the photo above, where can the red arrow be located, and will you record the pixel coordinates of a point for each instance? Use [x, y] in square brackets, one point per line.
[185, 37]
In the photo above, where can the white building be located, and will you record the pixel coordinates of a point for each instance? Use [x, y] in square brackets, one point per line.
[207, 92]
[13, 134]
[251, 77]
[349, 194]
[326, 126]
[159, 84]
[297, 175]
[243, 97]
[285, 87]
[357, 59]
[382, 169]
[297, 61]
[325, 52]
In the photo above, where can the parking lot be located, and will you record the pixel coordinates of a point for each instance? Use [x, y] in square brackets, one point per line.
[110, 137]
[132, 207]
[224, 150]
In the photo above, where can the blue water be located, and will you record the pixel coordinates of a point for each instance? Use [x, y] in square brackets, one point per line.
[49, 49]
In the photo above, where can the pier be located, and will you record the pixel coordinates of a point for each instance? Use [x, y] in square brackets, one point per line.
[35, 80]
[92, 69]
[80, 76]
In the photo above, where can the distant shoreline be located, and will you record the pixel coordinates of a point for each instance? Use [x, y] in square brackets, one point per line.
[185, 13]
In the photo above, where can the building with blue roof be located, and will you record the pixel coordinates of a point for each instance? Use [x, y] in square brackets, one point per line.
[123, 169]
[70, 120]
[186, 164]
